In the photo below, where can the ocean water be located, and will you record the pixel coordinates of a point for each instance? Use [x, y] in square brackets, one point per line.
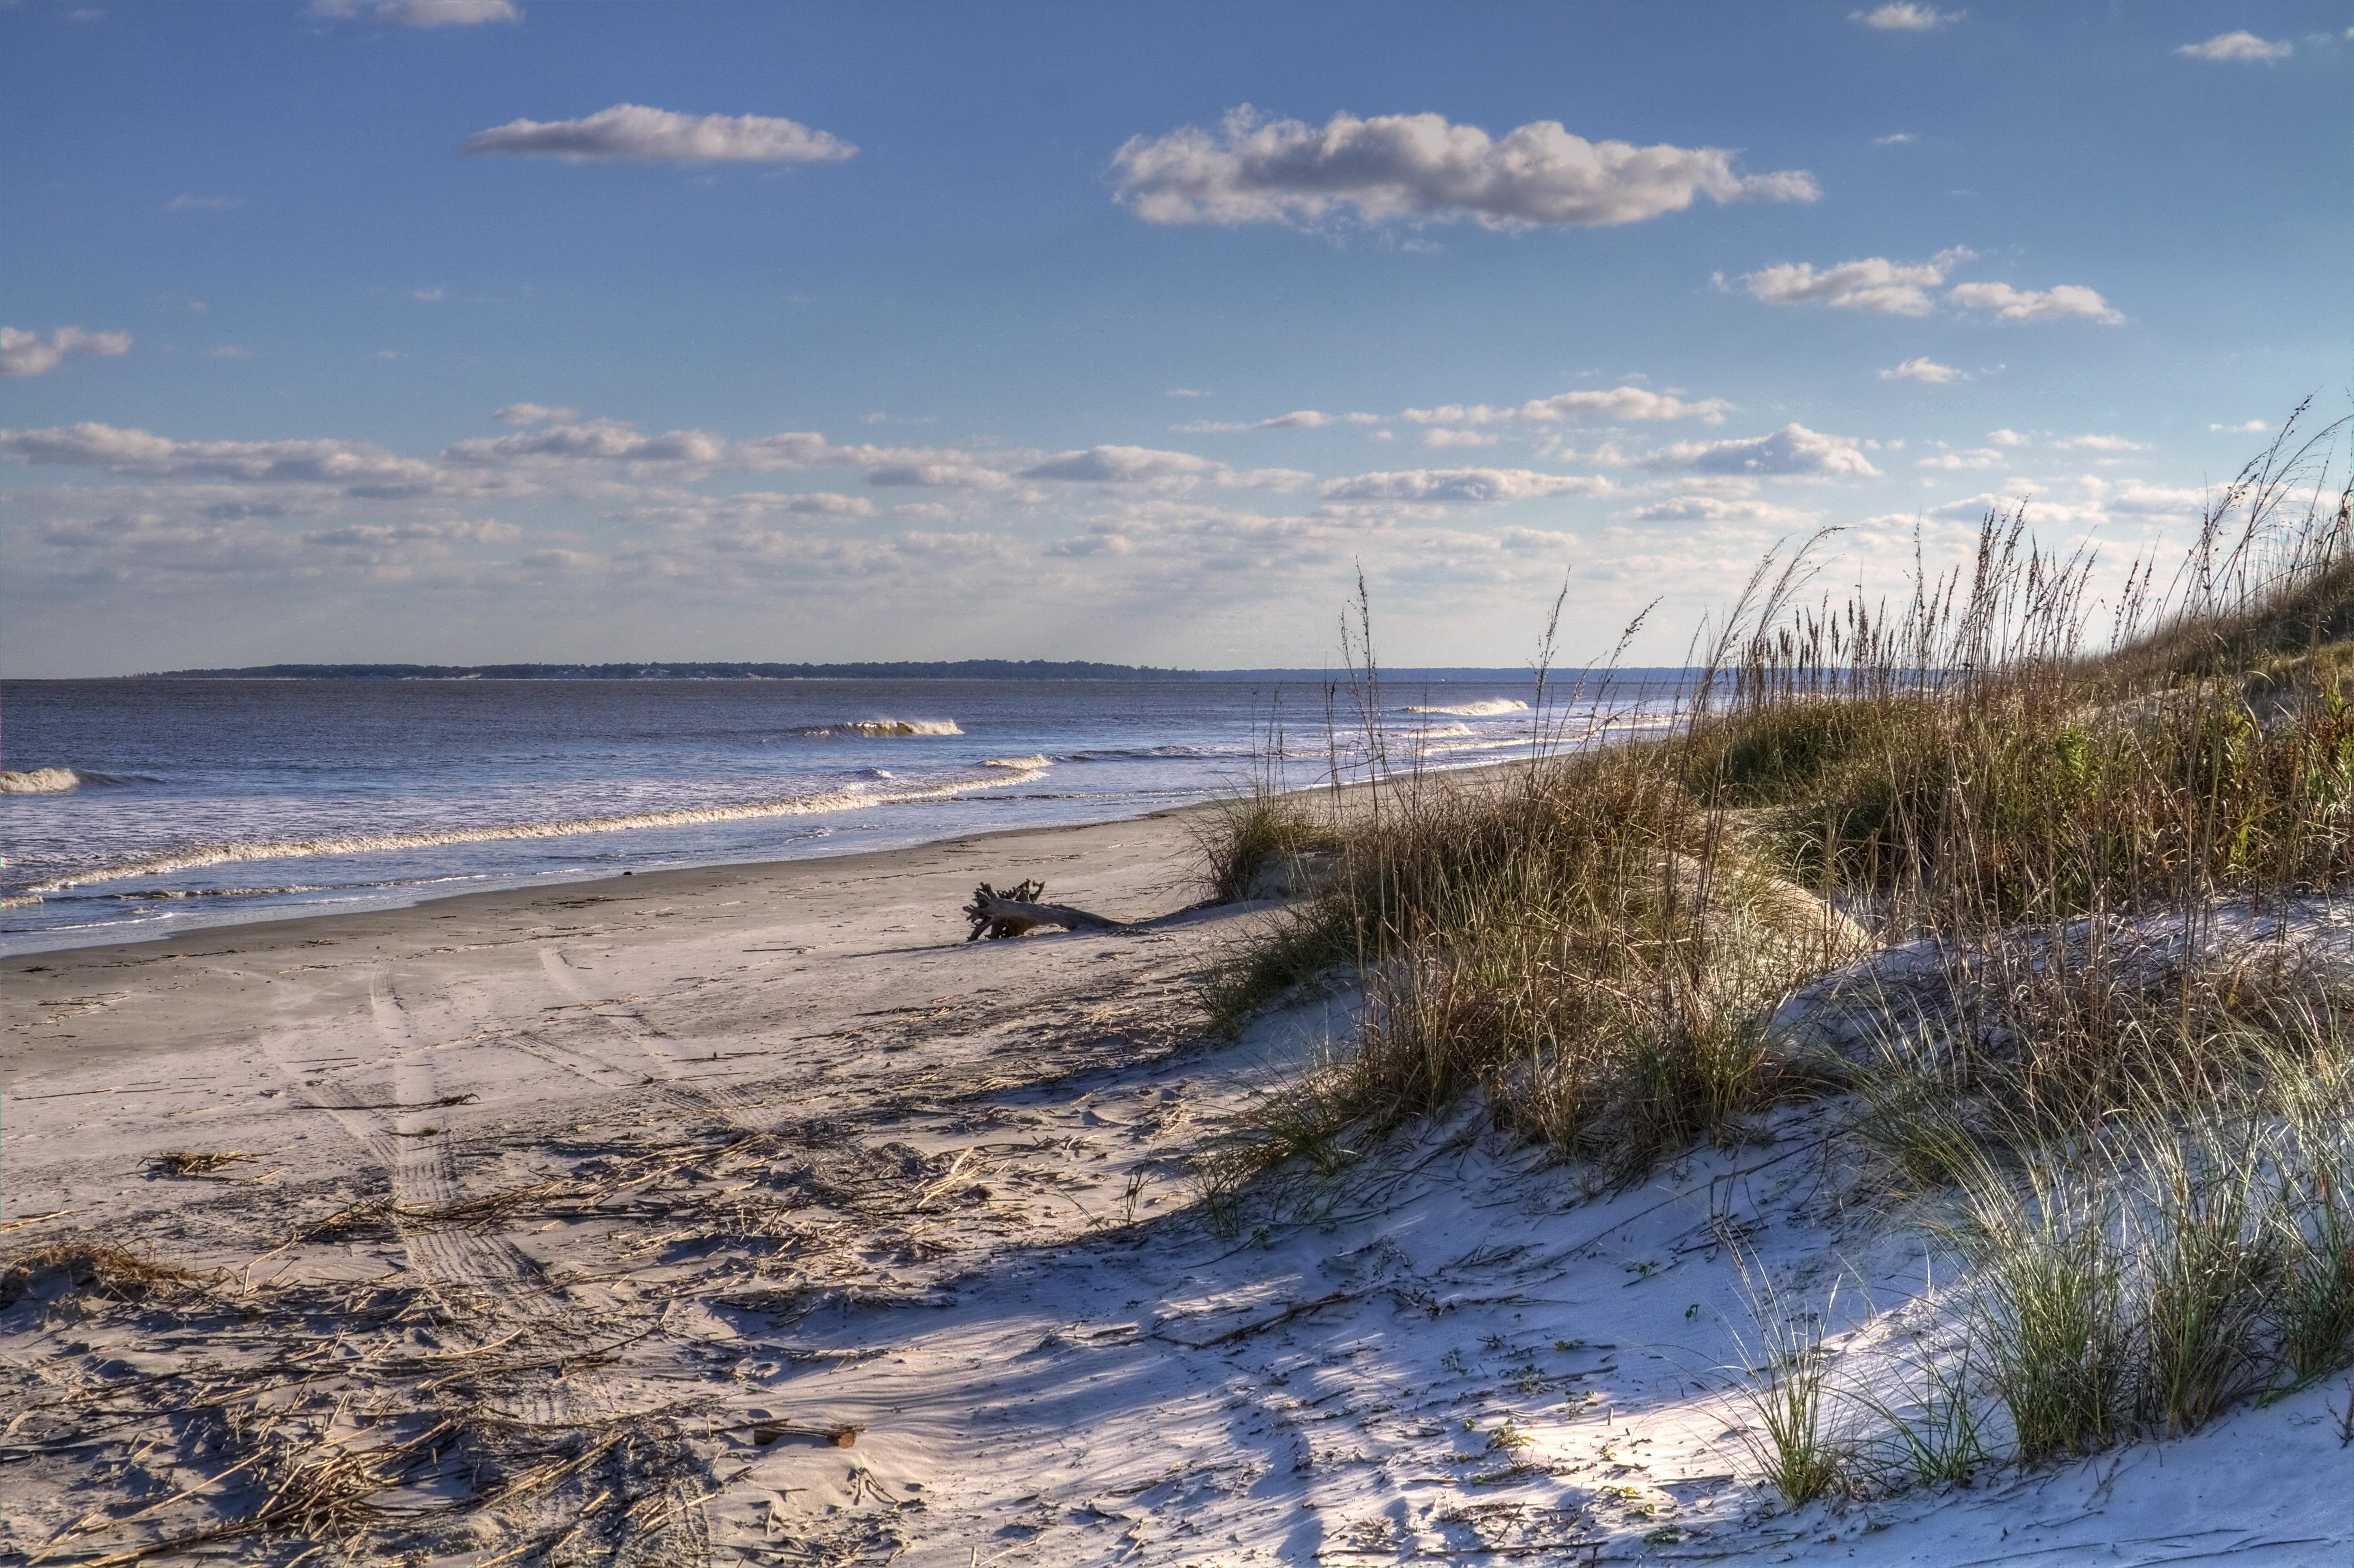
[139, 808]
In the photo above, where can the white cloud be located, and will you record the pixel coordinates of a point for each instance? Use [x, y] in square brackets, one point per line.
[1119, 465]
[189, 202]
[631, 130]
[1895, 139]
[2009, 437]
[1616, 403]
[2248, 428]
[1791, 451]
[1873, 283]
[25, 354]
[746, 507]
[599, 440]
[1719, 509]
[92, 445]
[1420, 166]
[1298, 419]
[2034, 304]
[2238, 49]
[1445, 436]
[423, 13]
[533, 414]
[1905, 16]
[1479, 485]
[2099, 444]
[1927, 370]
[1975, 457]
[937, 474]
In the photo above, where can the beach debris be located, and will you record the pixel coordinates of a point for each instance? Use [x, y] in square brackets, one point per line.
[193, 1162]
[62, 1268]
[1016, 912]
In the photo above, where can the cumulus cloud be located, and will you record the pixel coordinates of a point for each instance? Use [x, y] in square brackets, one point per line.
[2250, 427]
[1926, 370]
[1619, 403]
[1454, 435]
[1792, 450]
[92, 445]
[937, 473]
[1975, 457]
[1474, 484]
[2008, 438]
[1720, 509]
[1873, 283]
[1895, 139]
[2054, 303]
[633, 132]
[1420, 166]
[1119, 465]
[1905, 16]
[532, 414]
[28, 353]
[2238, 49]
[599, 440]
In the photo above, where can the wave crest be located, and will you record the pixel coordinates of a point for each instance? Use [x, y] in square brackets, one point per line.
[40, 781]
[1033, 761]
[849, 799]
[1487, 707]
[882, 727]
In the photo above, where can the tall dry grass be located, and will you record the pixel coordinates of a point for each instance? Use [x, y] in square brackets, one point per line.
[2069, 819]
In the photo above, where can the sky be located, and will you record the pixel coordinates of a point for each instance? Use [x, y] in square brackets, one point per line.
[459, 331]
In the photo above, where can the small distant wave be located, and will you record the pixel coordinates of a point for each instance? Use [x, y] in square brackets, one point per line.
[18, 901]
[882, 727]
[148, 893]
[850, 800]
[40, 781]
[1154, 752]
[1487, 707]
[57, 780]
[1033, 760]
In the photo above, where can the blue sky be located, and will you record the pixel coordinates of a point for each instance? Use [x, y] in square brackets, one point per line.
[458, 330]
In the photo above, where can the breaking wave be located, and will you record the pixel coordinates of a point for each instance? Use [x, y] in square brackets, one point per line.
[18, 901]
[40, 781]
[197, 855]
[1487, 707]
[57, 780]
[882, 727]
[1033, 761]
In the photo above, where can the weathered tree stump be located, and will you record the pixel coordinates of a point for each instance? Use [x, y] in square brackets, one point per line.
[1016, 912]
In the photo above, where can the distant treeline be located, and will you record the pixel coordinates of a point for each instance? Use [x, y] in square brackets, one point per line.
[917, 670]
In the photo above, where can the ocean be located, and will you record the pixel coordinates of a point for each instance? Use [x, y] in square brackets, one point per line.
[132, 808]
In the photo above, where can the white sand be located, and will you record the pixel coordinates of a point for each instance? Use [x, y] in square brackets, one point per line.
[786, 1155]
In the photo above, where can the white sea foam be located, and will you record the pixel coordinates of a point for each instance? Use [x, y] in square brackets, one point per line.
[1487, 707]
[40, 781]
[196, 855]
[24, 901]
[1033, 761]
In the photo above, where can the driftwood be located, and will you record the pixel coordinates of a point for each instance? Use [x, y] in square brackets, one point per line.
[1016, 912]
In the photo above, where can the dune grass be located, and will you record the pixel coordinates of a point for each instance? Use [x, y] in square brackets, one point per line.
[2077, 852]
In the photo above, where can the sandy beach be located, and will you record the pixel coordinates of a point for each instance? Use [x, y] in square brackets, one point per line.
[751, 1214]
